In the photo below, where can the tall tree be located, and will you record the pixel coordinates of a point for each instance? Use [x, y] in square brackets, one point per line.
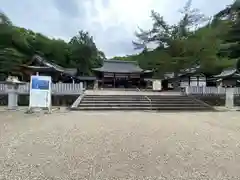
[172, 38]
[233, 36]
[84, 52]
[4, 20]
[18, 45]
[194, 40]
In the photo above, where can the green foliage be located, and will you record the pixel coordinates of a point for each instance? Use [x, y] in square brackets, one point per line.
[18, 45]
[194, 40]
[84, 53]
[232, 39]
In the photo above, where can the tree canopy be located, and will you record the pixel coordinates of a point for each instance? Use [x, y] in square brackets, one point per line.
[18, 45]
[213, 43]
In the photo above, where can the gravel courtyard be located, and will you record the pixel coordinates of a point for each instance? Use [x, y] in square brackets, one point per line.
[119, 145]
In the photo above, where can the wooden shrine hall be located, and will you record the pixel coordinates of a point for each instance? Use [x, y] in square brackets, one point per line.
[121, 74]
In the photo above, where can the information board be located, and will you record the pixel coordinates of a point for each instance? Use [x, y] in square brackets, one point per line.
[202, 81]
[157, 85]
[193, 81]
[40, 91]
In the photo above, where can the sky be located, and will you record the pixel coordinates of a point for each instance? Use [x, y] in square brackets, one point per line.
[112, 23]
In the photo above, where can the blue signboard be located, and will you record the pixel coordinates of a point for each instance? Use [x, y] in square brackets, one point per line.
[40, 84]
[40, 91]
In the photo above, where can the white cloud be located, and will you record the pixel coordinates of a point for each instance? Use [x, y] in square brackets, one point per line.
[111, 22]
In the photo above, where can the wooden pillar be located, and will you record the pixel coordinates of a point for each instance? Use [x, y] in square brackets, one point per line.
[114, 80]
[127, 79]
[102, 80]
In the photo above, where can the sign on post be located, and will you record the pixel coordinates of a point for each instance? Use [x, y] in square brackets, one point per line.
[229, 102]
[157, 85]
[40, 92]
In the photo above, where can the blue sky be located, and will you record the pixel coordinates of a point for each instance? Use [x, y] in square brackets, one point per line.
[112, 23]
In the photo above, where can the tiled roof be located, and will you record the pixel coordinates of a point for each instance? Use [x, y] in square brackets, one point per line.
[40, 60]
[226, 72]
[119, 66]
[86, 78]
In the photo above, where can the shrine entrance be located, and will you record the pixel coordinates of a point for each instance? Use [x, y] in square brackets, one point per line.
[121, 74]
[113, 80]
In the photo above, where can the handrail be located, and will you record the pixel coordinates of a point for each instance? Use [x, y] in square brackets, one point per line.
[149, 100]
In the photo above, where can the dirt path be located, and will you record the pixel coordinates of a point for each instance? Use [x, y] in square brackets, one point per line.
[120, 145]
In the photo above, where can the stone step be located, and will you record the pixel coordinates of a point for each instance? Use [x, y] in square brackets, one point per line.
[133, 96]
[138, 98]
[138, 102]
[145, 108]
[139, 105]
[141, 102]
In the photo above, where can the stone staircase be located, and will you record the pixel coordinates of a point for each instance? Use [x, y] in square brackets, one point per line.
[141, 102]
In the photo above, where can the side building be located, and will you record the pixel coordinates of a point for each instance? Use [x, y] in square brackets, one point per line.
[39, 65]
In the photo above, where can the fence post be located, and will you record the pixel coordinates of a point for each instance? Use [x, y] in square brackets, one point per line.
[229, 102]
[187, 90]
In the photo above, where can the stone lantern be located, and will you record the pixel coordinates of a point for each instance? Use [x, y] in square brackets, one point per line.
[12, 90]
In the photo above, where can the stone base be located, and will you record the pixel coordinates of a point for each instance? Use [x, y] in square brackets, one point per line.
[37, 110]
[12, 108]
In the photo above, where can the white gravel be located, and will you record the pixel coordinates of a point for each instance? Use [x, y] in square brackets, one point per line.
[120, 145]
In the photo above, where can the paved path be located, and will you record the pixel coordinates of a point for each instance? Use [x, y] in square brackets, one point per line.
[120, 145]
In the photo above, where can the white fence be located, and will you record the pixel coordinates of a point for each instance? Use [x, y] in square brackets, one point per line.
[209, 90]
[57, 89]
[71, 89]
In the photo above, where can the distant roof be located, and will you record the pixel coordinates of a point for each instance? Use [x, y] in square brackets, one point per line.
[183, 72]
[86, 78]
[120, 66]
[227, 72]
[168, 75]
[51, 66]
[191, 70]
[38, 68]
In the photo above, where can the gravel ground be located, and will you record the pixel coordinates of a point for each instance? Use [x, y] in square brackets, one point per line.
[119, 145]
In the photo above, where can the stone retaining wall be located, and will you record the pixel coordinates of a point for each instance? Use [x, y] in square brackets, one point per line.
[57, 100]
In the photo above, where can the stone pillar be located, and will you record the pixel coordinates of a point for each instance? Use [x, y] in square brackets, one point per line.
[157, 85]
[95, 86]
[187, 89]
[229, 102]
[81, 86]
[85, 84]
[12, 96]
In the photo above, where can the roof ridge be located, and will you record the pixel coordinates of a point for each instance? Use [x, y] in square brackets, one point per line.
[120, 61]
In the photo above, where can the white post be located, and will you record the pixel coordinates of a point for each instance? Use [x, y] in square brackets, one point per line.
[187, 89]
[81, 86]
[12, 96]
[85, 84]
[229, 102]
[157, 85]
[95, 87]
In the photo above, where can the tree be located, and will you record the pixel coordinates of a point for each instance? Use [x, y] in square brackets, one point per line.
[194, 40]
[84, 53]
[232, 40]
[18, 45]
[172, 38]
[4, 20]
